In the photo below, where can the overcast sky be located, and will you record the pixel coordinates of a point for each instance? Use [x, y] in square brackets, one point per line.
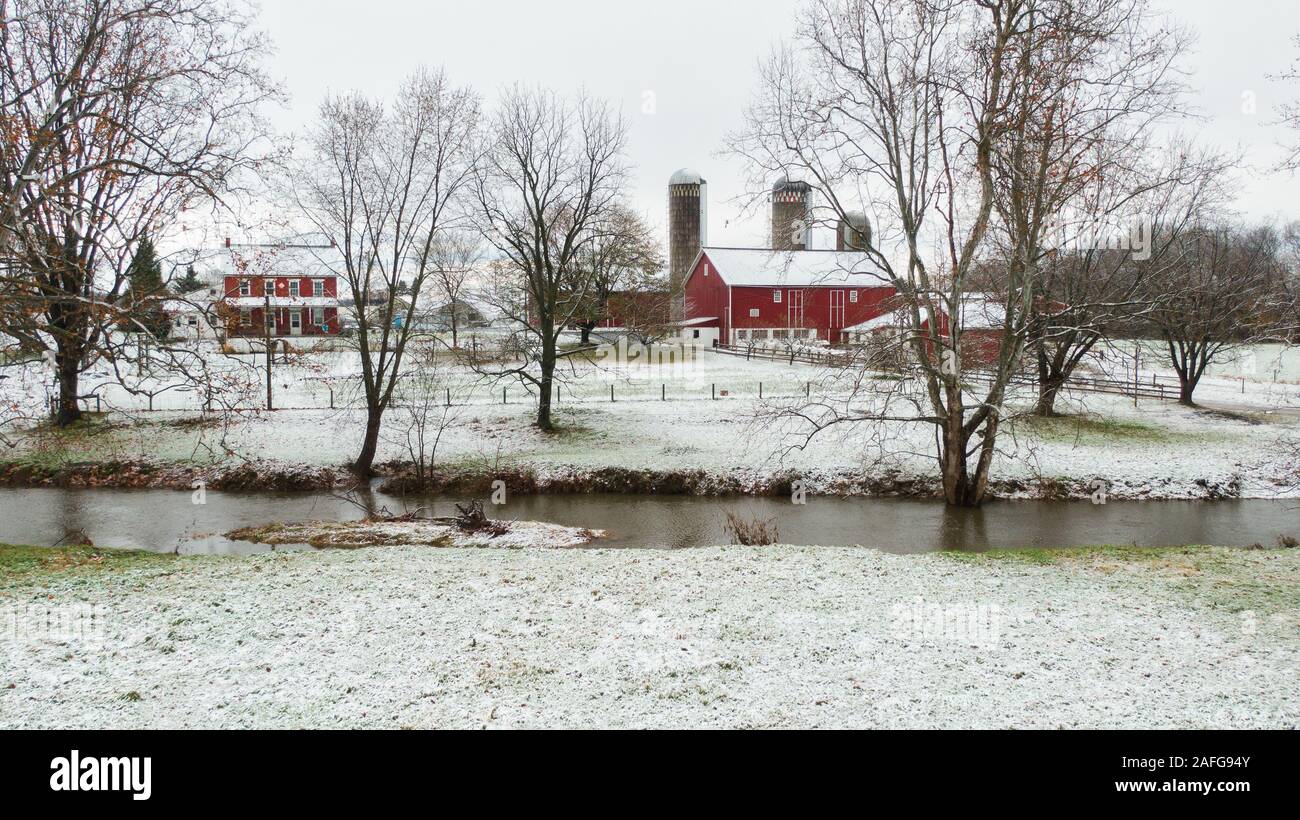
[697, 58]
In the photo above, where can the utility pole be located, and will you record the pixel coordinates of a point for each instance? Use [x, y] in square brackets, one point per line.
[266, 334]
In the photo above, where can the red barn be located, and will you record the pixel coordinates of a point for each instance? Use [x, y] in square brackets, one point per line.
[982, 327]
[755, 294]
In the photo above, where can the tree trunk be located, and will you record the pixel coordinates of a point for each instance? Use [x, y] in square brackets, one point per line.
[1048, 389]
[586, 334]
[68, 364]
[1186, 387]
[365, 460]
[546, 382]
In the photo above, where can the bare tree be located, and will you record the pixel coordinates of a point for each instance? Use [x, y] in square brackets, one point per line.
[455, 255]
[1128, 223]
[965, 124]
[614, 265]
[383, 185]
[1228, 291]
[552, 174]
[426, 411]
[118, 116]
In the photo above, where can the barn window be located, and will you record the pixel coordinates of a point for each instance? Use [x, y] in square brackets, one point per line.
[245, 287]
[776, 297]
[696, 333]
[706, 268]
[753, 313]
[853, 296]
[742, 334]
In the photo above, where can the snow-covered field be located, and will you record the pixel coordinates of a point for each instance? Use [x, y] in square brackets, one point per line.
[715, 637]
[1156, 449]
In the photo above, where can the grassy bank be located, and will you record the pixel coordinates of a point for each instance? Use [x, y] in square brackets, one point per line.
[21, 563]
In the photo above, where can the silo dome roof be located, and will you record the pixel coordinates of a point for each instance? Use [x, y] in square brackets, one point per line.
[686, 176]
[787, 184]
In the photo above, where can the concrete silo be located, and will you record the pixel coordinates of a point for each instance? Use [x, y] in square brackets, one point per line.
[853, 232]
[790, 216]
[687, 221]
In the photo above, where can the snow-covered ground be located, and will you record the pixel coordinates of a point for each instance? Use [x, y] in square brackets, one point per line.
[715, 637]
[1154, 449]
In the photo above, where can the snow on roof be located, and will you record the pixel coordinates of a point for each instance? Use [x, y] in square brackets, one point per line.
[982, 312]
[272, 260]
[698, 320]
[885, 320]
[760, 267]
[686, 176]
[184, 306]
[283, 301]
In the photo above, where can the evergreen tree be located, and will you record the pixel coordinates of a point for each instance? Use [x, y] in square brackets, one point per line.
[188, 283]
[147, 291]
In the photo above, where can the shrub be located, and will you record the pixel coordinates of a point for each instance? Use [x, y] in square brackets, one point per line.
[751, 533]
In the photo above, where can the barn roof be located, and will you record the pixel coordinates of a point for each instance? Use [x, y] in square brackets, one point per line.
[760, 267]
[982, 311]
[979, 311]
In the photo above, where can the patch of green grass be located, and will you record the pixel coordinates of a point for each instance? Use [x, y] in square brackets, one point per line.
[1094, 429]
[19, 562]
[1056, 555]
[1265, 582]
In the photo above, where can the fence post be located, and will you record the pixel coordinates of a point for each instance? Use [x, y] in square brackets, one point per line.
[760, 390]
[663, 392]
[714, 389]
[503, 395]
[611, 393]
[807, 390]
[97, 406]
[449, 397]
[331, 389]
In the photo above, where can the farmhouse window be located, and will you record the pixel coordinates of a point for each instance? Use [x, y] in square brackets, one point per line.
[318, 316]
[245, 287]
[776, 297]
[318, 287]
[853, 296]
[245, 317]
[269, 286]
[294, 287]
